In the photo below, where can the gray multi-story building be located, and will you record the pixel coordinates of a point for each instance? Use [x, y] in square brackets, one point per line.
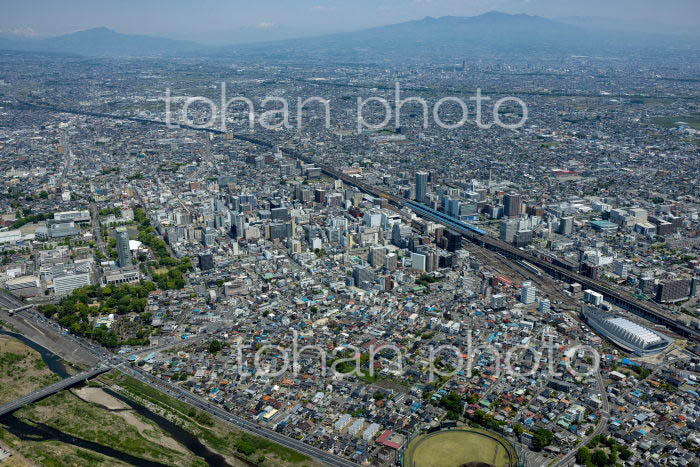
[123, 249]
[566, 225]
[421, 186]
[508, 229]
[511, 205]
[68, 282]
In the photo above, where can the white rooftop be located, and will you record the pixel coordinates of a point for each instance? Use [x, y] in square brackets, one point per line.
[640, 333]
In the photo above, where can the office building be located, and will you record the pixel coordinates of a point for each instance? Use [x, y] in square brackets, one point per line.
[65, 283]
[206, 261]
[237, 226]
[418, 261]
[498, 301]
[123, 250]
[508, 229]
[454, 240]
[362, 275]
[377, 256]
[527, 293]
[621, 268]
[566, 225]
[673, 290]
[421, 186]
[511, 205]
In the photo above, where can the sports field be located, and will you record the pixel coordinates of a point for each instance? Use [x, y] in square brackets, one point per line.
[456, 447]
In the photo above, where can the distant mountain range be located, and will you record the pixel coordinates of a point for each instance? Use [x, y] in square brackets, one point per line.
[489, 34]
[101, 42]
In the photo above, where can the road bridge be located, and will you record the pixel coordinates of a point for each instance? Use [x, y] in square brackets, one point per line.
[52, 389]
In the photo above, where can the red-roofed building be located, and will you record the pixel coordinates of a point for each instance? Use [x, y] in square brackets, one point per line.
[390, 440]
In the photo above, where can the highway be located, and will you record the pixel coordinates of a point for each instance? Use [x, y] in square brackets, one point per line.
[110, 361]
[192, 399]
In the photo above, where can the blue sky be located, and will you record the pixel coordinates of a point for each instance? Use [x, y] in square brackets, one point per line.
[204, 19]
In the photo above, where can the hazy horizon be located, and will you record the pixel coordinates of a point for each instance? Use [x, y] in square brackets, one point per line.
[220, 21]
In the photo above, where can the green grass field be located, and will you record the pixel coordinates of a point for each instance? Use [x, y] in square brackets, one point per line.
[669, 122]
[454, 448]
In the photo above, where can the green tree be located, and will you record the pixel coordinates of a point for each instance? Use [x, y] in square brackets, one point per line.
[215, 346]
[625, 453]
[599, 458]
[583, 456]
[518, 429]
[541, 439]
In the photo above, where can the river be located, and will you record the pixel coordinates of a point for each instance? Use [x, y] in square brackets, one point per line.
[24, 431]
[53, 361]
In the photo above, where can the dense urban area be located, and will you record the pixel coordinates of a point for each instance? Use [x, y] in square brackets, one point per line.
[333, 295]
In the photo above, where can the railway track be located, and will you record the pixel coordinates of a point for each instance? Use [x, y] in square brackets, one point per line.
[620, 298]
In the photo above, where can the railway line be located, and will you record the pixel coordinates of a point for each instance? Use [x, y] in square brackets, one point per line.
[623, 299]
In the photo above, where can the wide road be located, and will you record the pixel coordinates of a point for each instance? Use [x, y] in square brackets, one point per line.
[254, 428]
[109, 359]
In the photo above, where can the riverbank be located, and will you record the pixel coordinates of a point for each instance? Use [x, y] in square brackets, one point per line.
[48, 337]
[22, 369]
[85, 426]
[118, 421]
[234, 444]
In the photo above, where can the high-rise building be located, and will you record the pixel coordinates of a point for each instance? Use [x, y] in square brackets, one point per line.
[591, 296]
[621, 268]
[418, 261]
[421, 186]
[508, 229]
[544, 306]
[377, 256]
[236, 225]
[566, 225]
[523, 237]
[362, 276]
[123, 247]
[454, 240]
[511, 205]
[391, 261]
[259, 162]
[208, 237]
[206, 261]
[673, 290]
[527, 293]
[498, 301]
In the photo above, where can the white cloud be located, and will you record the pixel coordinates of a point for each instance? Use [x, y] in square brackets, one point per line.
[22, 32]
[322, 8]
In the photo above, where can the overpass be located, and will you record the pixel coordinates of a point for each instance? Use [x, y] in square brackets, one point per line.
[11, 303]
[622, 299]
[52, 389]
